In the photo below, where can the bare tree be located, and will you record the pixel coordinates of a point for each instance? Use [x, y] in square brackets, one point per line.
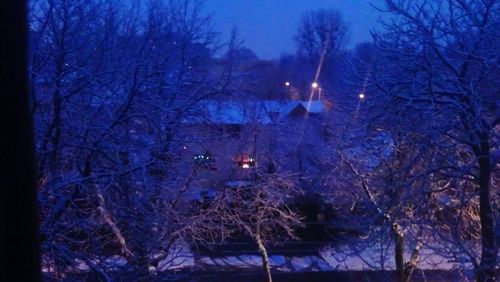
[260, 210]
[321, 31]
[394, 200]
[111, 86]
[321, 36]
[442, 56]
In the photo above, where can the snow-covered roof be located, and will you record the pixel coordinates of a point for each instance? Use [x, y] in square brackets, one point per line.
[234, 112]
[247, 112]
[286, 106]
[314, 106]
[228, 112]
[277, 106]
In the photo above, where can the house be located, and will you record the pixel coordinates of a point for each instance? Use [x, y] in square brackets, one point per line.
[227, 140]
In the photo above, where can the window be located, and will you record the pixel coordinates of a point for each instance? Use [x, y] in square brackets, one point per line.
[204, 161]
[233, 131]
[245, 161]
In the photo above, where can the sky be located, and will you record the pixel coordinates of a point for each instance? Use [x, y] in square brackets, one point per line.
[268, 26]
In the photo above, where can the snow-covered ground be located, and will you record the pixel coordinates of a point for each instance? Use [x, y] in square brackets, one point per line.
[339, 258]
[329, 259]
[277, 262]
[373, 258]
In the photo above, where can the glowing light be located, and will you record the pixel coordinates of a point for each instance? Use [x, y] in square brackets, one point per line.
[287, 83]
[361, 96]
[245, 161]
[314, 85]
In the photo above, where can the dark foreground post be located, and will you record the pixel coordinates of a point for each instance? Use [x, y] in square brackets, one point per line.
[19, 247]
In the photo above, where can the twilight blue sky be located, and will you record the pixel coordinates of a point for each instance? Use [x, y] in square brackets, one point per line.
[268, 26]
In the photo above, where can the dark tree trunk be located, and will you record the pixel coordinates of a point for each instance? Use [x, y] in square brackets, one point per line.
[19, 251]
[399, 251]
[56, 126]
[486, 271]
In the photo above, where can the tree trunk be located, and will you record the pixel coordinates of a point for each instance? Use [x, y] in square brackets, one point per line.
[412, 263]
[263, 253]
[399, 251]
[108, 218]
[486, 271]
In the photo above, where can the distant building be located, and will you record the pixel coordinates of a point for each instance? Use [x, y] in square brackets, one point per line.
[227, 140]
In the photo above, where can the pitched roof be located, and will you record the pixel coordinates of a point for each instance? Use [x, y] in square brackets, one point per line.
[247, 112]
[314, 106]
[234, 112]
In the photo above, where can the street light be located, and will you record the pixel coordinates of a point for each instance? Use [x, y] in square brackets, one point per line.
[287, 83]
[314, 85]
[361, 96]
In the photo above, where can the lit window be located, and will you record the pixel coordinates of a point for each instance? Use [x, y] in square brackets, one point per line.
[245, 161]
[204, 161]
